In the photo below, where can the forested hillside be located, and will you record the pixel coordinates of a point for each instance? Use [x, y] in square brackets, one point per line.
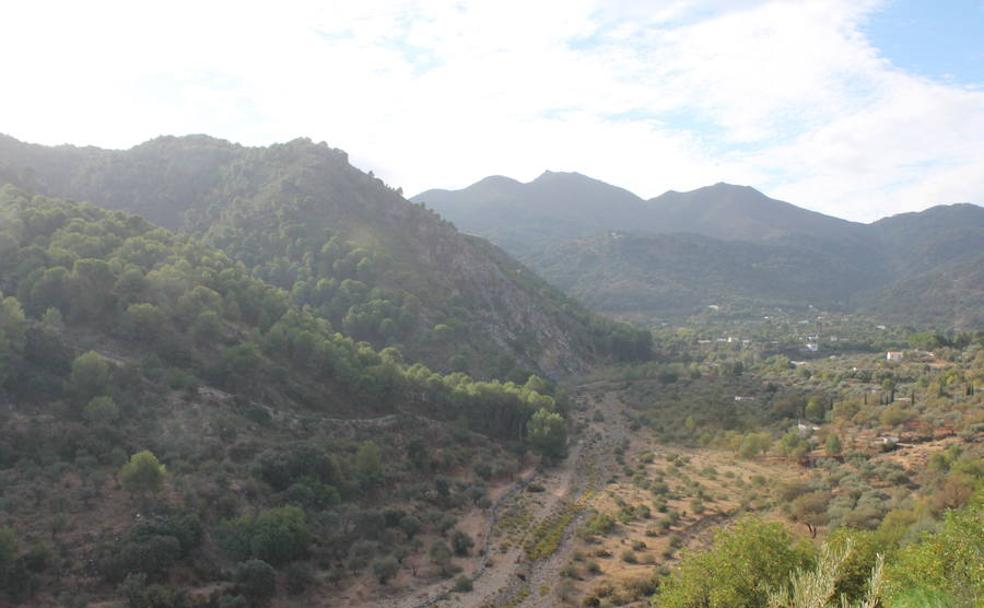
[163, 412]
[917, 242]
[950, 295]
[114, 279]
[341, 242]
[683, 251]
[678, 274]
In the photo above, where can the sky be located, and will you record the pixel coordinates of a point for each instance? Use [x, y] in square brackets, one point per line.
[856, 108]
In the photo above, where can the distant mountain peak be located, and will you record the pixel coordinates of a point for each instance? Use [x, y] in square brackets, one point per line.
[548, 174]
[572, 185]
[569, 177]
[496, 180]
[725, 188]
[716, 188]
[491, 186]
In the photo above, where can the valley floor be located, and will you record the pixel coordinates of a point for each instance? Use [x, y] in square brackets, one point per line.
[547, 548]
[591, 480]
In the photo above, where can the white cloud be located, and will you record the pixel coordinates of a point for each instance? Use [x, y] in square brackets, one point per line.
[787, 96]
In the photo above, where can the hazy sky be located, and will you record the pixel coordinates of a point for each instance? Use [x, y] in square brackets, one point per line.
[856, 108]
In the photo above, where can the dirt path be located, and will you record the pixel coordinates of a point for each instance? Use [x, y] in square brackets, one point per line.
[520, 582]
[501, 571]
[602, 437]
[506, 576]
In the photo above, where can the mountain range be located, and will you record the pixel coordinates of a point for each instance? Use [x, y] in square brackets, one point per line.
[725, 244]
[391, 272]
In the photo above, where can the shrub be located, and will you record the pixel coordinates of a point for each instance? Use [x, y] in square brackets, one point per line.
[142, 474]
[945, 564]
[600, 523]
[410, 525]
[483, 470]
[8, 546]
[894, 415]
[139, 554]
[185, 527]
[369, 464]
[311, 493]
[299, 463]
[360, 553]
[276, 536]
[37, 558]
[90, 376]
[744, 559]
[233, 601]
[299, 577]
[139, 594]
[440, 555]
[461, 543]
[384, 569]
[101, 410]
[256, 579]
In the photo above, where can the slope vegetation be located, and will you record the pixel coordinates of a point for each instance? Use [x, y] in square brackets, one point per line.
[300, 217]
[171, 426]
[675, 274]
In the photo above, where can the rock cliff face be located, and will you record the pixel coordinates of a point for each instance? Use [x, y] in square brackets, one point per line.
[460, 302]
[515, 316]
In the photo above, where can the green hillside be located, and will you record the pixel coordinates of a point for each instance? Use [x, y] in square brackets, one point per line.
[679, 274]
[164, 411]
[353, 250]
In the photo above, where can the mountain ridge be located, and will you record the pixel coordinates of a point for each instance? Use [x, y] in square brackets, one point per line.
[443, 193]
[858, 265]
